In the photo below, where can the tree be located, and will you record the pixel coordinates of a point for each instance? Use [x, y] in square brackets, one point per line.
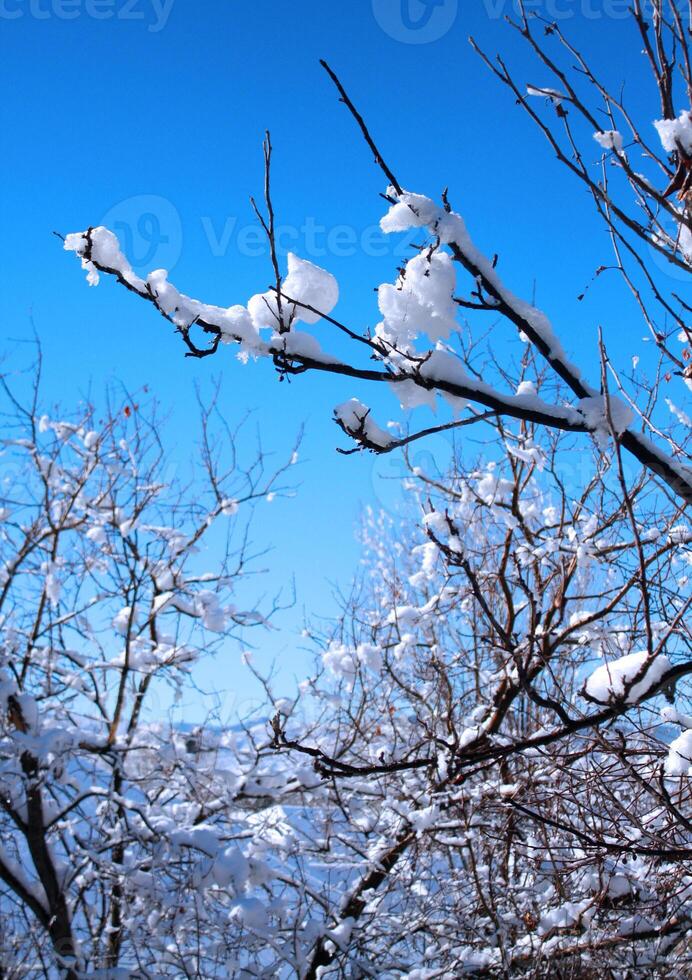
[106, 808]
[509, 785]
[419, 310]
[493, 787]
[449, 793]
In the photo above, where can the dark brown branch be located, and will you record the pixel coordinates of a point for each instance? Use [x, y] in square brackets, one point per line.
[379, 159]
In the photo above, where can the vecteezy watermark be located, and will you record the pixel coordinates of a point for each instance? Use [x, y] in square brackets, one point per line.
[149, 230]
[311, 239]
[153, 13]
[560, 10]
[415, 21]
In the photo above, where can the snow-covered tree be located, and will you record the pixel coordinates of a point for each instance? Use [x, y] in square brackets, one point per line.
[106, 600]
[509, 781]
[490, 769]
[482, 774]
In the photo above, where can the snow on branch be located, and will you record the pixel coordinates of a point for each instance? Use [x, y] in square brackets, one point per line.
[629, 679]
[356, 421]
[420, 304]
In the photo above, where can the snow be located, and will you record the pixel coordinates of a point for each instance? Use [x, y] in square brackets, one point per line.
[412, 395]
[609, 139]
[370, 656]
[308, 283]
[565, 915]
[420, 301]
[105, 249]
[410, 211]
[251, 912]
[599, 415]
[231, 869]
[97, 535]
[425, 818]
[212, 614]
[680, 534]
[341, 934]
[451, 229]
[355, 418]
[672, 132]
[629, 678]
[679, 414]
[52, 582]
[679, 761]
[121, 621]
[305, 282]
[555, 95]
[301, 344]
[685, 242]
[340, 661]
[442, 365]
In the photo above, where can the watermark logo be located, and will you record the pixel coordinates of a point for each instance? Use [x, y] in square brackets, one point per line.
[152, 13]
[149, 230]
[560, 10]
[311, 239]
[415, 21]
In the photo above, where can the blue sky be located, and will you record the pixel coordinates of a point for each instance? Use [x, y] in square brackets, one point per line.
[151, 116]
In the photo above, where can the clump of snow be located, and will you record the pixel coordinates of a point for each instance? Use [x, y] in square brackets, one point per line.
[309, 284]
[424, 818]
[681, 416]
[679, 761]
[444, 367]
[340, 660]
[680, 534]
[301, 344]
[609, 139]
[264, 310]
[52, 584]
[210, 611]
[627, 679]
[231, 869]
[412, 395]
[555, 95]
[105, 250]
[410, 211]
[355, 419]
[599, 415]
[121, 621]
[421, 301]
[414, 210]
[684, 240]
[676, 133]
[565, 916]
[305, 283]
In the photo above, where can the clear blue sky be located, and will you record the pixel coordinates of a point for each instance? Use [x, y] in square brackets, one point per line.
[151, 115]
